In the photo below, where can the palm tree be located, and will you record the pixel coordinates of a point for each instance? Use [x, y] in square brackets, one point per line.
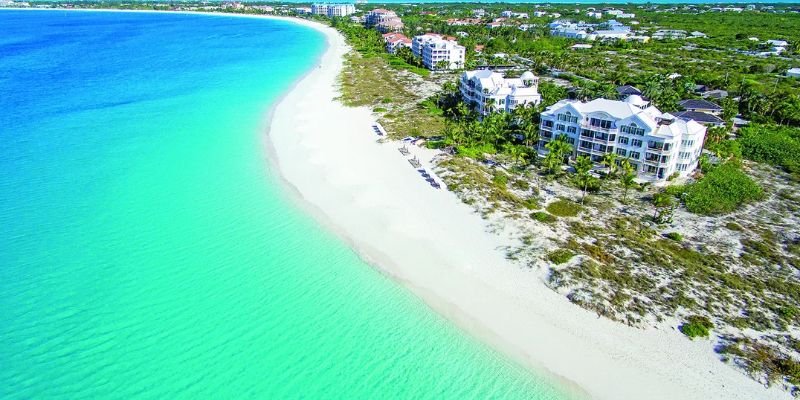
[557, 149]
[610, 161]
[517, 154]
[627, 181]
[583, 164]
[490, 103]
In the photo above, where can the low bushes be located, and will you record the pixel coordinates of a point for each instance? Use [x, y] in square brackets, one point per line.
[564, 208]
[696, 326]
[722, 190]
[542, 216]
[773, 145]
[560, 256]
[675, 236]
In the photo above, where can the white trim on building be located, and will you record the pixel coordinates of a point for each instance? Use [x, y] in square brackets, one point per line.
[487, 91]
[657, 144]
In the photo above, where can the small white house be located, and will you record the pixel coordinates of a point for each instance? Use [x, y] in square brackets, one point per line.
[793, 73]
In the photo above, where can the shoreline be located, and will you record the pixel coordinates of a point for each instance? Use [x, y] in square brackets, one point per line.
[435, 246]
[367, 194]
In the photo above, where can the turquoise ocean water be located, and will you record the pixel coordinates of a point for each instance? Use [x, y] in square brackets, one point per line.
[147, 251]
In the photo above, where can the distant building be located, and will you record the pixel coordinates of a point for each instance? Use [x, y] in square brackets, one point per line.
[443, 54]
[627, 90]
[669, 34]
[657, 144]
[700, 105]
[701, 118]
[793, 73]
[383, 20]
[394, 41]
[714, 94]
[513, 14]
[332, 10]
[594, 14]
[438, 52]
[487, 91]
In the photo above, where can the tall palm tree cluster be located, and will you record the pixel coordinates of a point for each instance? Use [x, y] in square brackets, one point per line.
[498, 133]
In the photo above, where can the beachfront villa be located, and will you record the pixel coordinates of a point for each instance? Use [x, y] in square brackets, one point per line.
[488, 91]
[383, 20]
[394, 41]
[438, 52]
[657, 144]
[332, 10]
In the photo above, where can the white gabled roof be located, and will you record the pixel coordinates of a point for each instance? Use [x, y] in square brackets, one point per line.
[621, 111]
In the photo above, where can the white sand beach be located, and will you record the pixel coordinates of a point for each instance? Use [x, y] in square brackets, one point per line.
[436, 246]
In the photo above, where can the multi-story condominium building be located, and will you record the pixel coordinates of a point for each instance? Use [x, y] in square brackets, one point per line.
[443, 54]
[486, 91]
[421, 40]
[333, 9]
[383, 20]
[657, 144]
[394, 41]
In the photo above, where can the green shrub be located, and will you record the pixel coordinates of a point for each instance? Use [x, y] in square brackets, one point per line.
[500, 179]
[564, 208]
[531, 203]
[675, 236]
[696, 326]
[379, 109]
[521, 184]
[542, 216]
[722, 190]
[560, 256]
[774, 145]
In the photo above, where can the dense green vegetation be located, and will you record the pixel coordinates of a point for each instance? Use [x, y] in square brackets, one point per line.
[774, 145]
[722, 190]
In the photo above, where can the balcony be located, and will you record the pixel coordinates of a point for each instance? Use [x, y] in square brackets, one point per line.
[586, 125]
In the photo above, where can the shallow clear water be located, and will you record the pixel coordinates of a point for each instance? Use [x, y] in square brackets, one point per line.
[147, 251]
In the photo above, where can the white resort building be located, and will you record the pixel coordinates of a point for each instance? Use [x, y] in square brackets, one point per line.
[657, 144]
[332, 10]
[486, 91]
[438, 52]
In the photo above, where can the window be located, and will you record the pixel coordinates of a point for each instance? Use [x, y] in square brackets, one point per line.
[547, 124]
[634, 155]
[585, 145]
[664, 159]
[572, 129]
[687, 143]
[586, 133]
[622, 152]
[682, 167]
[655, 145]
[684, 155]
[571, 141]
[636, 142]
[632, 129]
[560, 127]
[623, 140]
[600, 123]
[652, 157]
[567, 117]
